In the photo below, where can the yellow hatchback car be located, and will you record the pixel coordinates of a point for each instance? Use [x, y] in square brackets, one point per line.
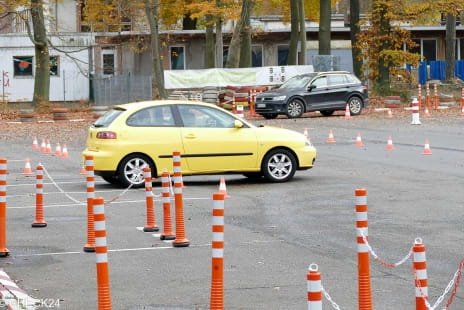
[211, 140]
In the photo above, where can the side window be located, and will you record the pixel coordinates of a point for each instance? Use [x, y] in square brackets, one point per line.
[202, 116]
[159, 116]
[336, 79]
[320, 82]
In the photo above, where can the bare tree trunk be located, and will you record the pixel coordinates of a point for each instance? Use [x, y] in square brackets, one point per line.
[245, 48]
[42, 57]
[219, 44]
[302, 19]
[354, 30]
[324, 28]
[450, 54]
[151, 11]
[210, 56]
[293, 47]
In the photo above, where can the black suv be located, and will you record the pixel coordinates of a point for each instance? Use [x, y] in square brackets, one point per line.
[325, 92]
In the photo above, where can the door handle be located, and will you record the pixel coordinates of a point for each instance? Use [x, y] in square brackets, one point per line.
[190, 136]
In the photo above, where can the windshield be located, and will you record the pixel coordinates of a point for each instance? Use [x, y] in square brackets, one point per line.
[106, 119]
[298, 81]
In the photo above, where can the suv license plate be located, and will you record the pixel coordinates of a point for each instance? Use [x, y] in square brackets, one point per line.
[261, 105]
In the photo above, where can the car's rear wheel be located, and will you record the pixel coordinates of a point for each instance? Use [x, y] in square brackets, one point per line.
[295, 108]
[279, 165]
[355, 105]
[269, 115]
[327, 112]
[130, 170]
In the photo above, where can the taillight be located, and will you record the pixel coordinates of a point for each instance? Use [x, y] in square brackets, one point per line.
[106, 135]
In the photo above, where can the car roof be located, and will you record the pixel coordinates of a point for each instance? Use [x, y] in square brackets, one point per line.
[149, 103]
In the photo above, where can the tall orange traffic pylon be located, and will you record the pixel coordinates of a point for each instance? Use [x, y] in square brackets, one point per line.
[64, 152]
[27, 168]
[358, 140]
[427, 150]
[217, 260]
[3, 173]
[390, 146]
[347, 111]
[35, 144]
[222, 187]
[331, 138]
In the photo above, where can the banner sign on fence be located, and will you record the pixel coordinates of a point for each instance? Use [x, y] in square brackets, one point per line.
[221, 77]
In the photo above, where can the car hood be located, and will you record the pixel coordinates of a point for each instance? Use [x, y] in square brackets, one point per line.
[279, 133]
[279, 92]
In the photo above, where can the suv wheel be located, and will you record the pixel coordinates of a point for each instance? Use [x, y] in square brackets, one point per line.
[355, 105]
[279, 165]
[269, 116]
[295, 108]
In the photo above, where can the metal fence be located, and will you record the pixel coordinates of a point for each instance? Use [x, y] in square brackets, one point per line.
[111, 90]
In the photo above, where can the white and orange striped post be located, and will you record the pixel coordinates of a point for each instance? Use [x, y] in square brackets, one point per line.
[181, 240]
[90, 179]
[3, 173]
[217, 261]
[462, 102]
[151, 221]
[313, 278]
[101, 250]
[420, 274]
[166, 196]
[364, 277]
[39, 217]
[415, 112]
[427, 96]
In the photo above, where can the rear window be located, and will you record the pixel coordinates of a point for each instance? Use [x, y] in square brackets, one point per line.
[106, 119]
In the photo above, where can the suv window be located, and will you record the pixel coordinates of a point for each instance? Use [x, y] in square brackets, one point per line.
[337, 79]
[320, 81]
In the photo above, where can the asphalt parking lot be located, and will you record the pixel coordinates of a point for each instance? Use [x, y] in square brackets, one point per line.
[273, 232]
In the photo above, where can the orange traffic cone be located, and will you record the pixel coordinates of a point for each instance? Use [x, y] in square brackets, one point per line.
[48, 149]
[390, 146]
[64, 152]
[222, 188]
[43, 146]
[389, 114]
[83, 171]
[35, 144]
[331, 138]
[426, 112]
[427, 150]
[27, 168]
[347, 111]
[58, 150]
[305, 132]
[358, 140]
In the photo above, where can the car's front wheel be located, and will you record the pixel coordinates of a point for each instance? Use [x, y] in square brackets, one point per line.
[130, 170]
[279, 165]
[269, 115]
[295, 108]
[355, 105]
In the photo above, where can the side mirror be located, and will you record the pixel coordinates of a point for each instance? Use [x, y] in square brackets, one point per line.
[238, 124]
[311, 87]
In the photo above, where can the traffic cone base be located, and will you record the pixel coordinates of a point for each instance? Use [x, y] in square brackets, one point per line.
[180, 243]
[39, 224]
[150, 229]
[167, 237]
[4, 252]
[89, 248]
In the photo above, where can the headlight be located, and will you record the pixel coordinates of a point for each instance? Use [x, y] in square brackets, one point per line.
[279, 98]
[308, 143]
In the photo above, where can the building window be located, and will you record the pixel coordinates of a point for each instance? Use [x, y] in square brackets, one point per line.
[256, 55]
[54, 66]
[177, 57]
[282, 55]
[427, 48]
[108, 64]
[225, 54]
[23, 65]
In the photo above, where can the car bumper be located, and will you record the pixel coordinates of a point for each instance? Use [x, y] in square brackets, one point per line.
[102, 161]
[270, 107]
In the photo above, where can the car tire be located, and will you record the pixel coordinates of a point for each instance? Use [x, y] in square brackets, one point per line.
[111, 179]
[327, 112]
[295, 108]
[270, 115]
[355, 105]
[130, 170]
[279, 165]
